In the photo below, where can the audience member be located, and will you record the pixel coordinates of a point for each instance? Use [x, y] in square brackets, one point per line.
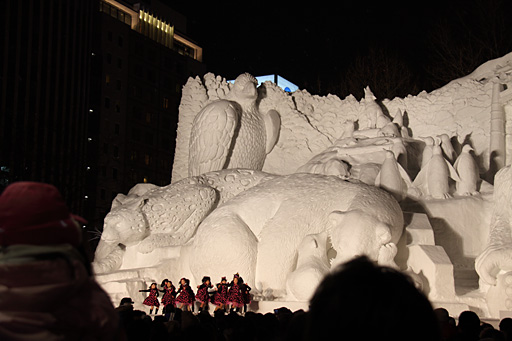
[363, 301]
[468, 327]
[505, 327]
[446, 324]
[48, 290]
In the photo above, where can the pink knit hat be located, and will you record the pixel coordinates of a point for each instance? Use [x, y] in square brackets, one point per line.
[35, 213]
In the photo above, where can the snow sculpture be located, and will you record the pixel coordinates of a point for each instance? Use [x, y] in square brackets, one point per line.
[262, 244]
[446, 146]
[232, 133]
[151, 217]
[467, 169]
[319, 134]
[495, 262]
[312, 265]
[393, 177]
[433, 179]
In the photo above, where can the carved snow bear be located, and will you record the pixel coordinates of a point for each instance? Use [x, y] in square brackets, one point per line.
[258, 232]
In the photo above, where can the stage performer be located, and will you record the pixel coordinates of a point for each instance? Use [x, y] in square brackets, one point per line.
[202, 293]
[152, 299]
[186, 296]
[220, 296]
[235, 294]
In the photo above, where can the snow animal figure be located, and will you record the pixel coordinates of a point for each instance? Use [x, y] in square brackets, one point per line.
[393, 177]
[427, 151]
[447, 147]
[150, 217]
[264, 226]
[312, 266]
[468, 172]
[400, 152]
[232, 133]
[433, 179]
[497, 256]
[376, 118]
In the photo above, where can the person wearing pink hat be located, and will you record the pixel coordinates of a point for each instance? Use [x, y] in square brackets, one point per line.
[47, 290]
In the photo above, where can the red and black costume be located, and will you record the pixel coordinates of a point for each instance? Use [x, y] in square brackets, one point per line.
[152, 299]
[235, 295]
[185, 294]
[221, 296]
[169, 296]
[202, 293]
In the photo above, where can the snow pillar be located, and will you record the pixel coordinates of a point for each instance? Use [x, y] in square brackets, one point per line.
[497, 144]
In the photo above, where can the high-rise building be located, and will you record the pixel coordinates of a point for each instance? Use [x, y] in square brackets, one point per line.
[90, 96]
[44, 77]
[141, 60]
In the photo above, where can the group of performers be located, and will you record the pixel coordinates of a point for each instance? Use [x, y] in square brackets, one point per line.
[234, 296]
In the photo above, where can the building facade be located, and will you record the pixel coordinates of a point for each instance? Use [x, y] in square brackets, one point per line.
[141, 61]
[90, 96]
[44, 74]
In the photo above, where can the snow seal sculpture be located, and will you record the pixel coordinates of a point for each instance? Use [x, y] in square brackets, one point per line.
[258, 232]
[312, 266]
[151, 217]
[232, 133]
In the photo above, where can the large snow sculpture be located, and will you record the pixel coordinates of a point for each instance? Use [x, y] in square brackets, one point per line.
[152, 217]
[258, 232]
[232, 133]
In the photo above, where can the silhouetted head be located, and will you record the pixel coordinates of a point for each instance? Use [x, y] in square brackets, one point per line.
[362, 301]
[469, 323]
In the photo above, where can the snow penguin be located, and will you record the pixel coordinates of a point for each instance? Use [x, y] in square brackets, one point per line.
[427, 151]
[447, 147]
[393, 178]
[433, 178]
[468, 172]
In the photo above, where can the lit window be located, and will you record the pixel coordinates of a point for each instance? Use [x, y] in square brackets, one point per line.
[107, 79]
[166, 103]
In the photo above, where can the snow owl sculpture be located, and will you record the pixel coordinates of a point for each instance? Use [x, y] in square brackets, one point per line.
[232, 133]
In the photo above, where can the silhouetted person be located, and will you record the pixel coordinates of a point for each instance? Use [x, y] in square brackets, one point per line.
[48, 290]
[488, 333]
[468, 327]
[363, 301]
[505, 327]
[446, 324]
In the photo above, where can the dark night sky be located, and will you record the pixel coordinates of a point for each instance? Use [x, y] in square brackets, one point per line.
[306, 44]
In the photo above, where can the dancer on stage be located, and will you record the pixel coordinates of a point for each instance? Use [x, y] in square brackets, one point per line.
[220, 297]
[152, 299]
[186, 296]
[202, 293]
[169, 297]
[235, 294]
